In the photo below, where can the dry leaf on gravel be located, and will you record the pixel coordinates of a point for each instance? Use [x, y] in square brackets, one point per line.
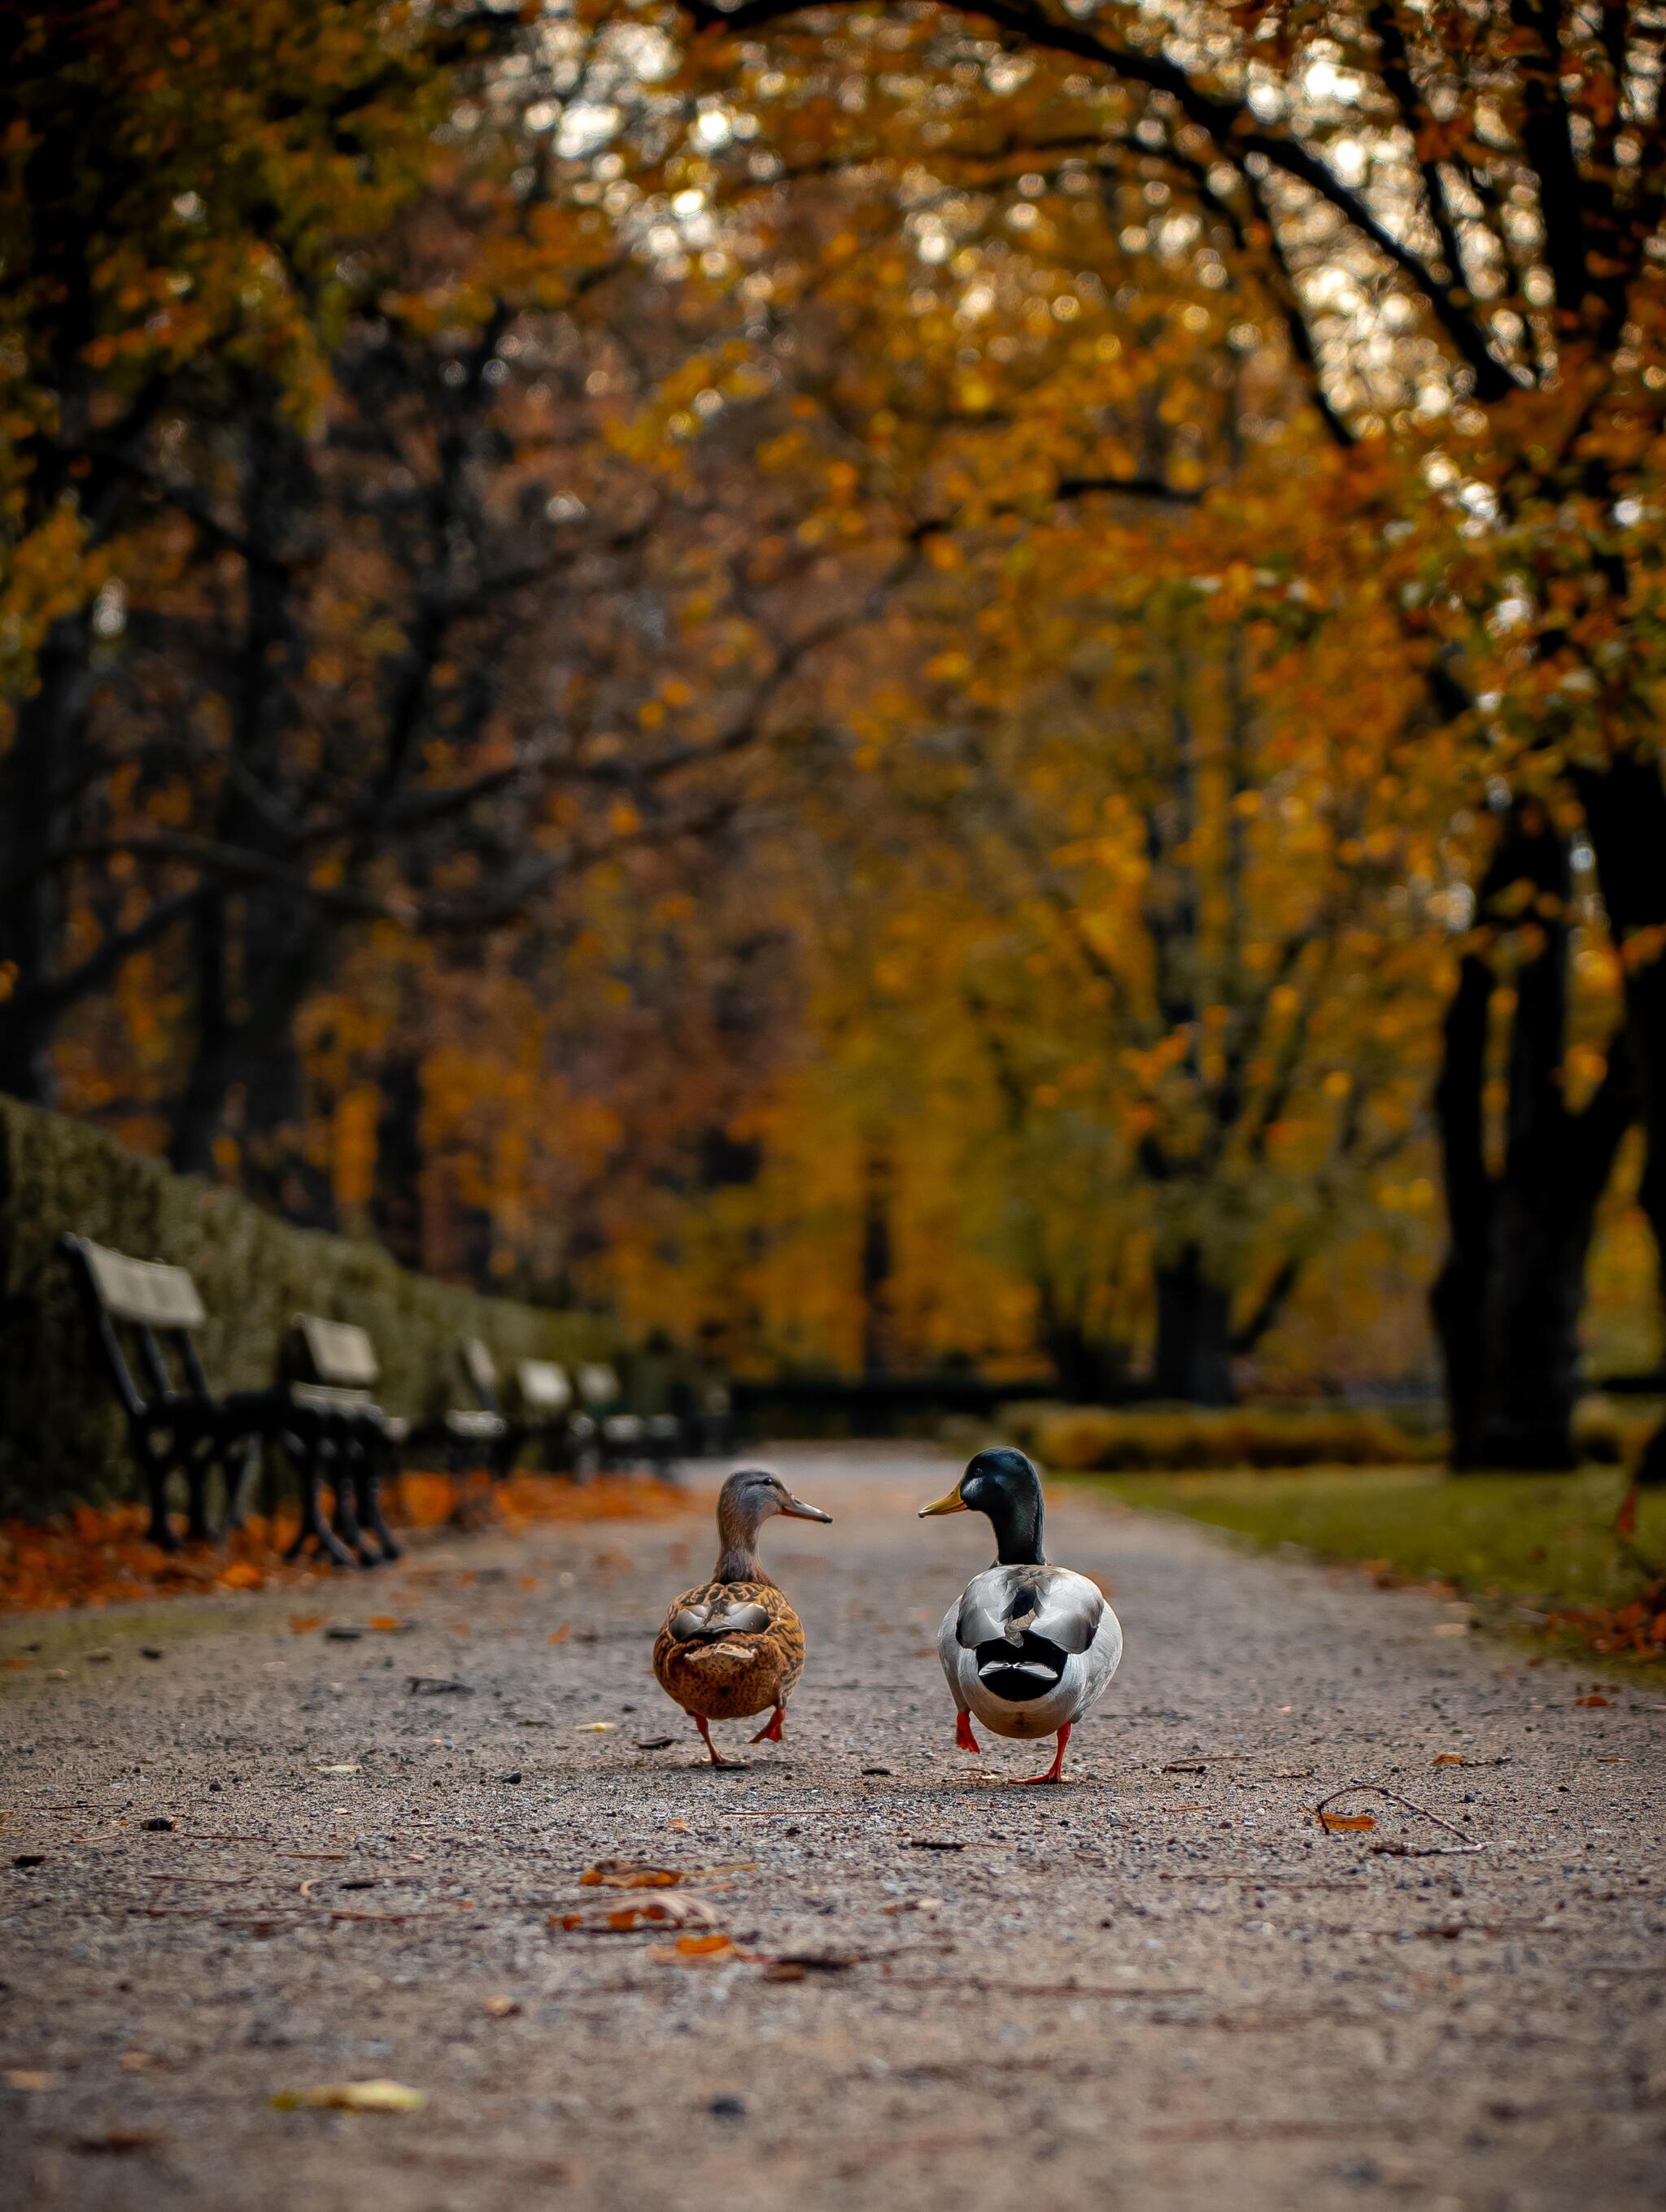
[560, 1635]
[22, 2077]
[300, 1622]
[500, 2008]
[352, 2096]
[917, 1904]
[1337, 1822]
[386, 1623]
[693, 1951]
[630, 1873]
[594, 1728]
[624, 1919]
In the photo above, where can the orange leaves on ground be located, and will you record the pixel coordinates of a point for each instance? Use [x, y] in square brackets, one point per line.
[694, 1951]
[1339, 1823]
[560, 1635]
[1637, 1630]
[630, 1919]
[630, 1873]
[99, 1555]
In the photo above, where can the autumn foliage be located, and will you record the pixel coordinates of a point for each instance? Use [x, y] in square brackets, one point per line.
[883, 686]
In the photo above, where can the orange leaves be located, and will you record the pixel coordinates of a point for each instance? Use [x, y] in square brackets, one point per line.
[1341, 1823]
[683, 1912]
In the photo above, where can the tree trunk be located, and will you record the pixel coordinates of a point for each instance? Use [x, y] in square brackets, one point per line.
[1194, 1355]
[38, 780]
[396, 1200]
[1091, 1371]
[1625, 816]
[1507, 1303]
[879, 1328]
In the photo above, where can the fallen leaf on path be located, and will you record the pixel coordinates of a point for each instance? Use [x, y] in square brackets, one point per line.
[386, 1623]
[117, 2142]
[624, 1919]
[300, 1622]
[680, 1828]
[1594, 1698]
[1336, 1822]
[337, 1769]
[560, 1635]
[630, 1873]
[500, 2008]
[691, 1950]
[594, 1728]
[241, 1574]
[1450, 1759]
[352, 2096]
[22, 2077]
[917, 1905]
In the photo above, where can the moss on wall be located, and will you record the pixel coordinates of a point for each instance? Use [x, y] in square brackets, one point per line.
[61, 1432]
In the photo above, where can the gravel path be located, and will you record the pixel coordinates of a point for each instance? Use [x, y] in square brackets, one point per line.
[1161, 1983]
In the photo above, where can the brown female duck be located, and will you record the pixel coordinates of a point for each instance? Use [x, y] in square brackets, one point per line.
[735, 1646]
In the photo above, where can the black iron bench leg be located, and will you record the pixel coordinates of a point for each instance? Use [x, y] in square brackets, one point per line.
[157, 1466]
[235, 1465]
[345, 1481]
[369, 1487]
[199, 1528]
[314, 1527]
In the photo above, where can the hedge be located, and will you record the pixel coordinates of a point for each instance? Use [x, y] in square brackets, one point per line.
[1175, 1440]
[61, 1432]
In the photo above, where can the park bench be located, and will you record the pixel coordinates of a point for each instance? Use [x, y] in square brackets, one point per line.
[537, 1408]
[627, 1438]
[339, 1431]
[175, 1423]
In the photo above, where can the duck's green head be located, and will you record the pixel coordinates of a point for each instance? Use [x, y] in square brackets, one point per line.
[1002, 1484]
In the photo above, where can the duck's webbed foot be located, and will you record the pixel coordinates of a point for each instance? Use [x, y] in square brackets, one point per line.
[963, 1738]
[717, 1757]
[771, 1734]
[1055, 1772]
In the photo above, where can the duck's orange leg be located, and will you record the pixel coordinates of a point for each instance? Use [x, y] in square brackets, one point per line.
[963, 1738]
[1055, 1772]
[772, 1733]
[706, 1738]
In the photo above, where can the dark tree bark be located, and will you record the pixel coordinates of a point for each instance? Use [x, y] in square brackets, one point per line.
[1507, 1304]
[396, 1202]
[879, 1329]
[1194, 1355]
[1625, 809]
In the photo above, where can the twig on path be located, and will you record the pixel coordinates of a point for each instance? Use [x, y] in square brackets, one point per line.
[1465, 1847]
[1059, 1991]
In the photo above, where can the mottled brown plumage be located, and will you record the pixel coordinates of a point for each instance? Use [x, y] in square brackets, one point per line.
[735, 1646]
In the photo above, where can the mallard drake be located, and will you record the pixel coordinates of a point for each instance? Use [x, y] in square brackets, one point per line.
[735, 1646]
[1027, 1647]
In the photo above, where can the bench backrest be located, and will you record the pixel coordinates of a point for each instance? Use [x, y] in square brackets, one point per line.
[479, 1369]
[599, 1384]
[544, 1388]
[158, 1305]
[337, 1352]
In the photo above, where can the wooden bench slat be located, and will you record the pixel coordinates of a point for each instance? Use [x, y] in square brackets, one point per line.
[341, 1352]
[147, 1293]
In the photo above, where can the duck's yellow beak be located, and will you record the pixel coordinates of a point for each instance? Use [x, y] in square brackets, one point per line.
[954, 1503]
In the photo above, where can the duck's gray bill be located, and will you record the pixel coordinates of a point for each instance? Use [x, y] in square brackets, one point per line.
[796, 1510]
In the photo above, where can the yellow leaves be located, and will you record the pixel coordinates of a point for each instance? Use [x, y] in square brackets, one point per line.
[372, 2096]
